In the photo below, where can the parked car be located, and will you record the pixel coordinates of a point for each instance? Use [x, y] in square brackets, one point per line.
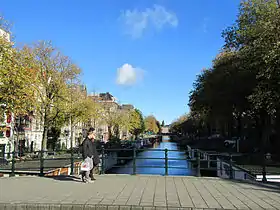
[231, 141]
[215, 136]
[3, 161]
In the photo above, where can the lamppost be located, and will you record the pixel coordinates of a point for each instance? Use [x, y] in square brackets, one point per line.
[66, 133]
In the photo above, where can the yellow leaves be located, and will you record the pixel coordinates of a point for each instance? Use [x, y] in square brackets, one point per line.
[151, 124]
[15, 79]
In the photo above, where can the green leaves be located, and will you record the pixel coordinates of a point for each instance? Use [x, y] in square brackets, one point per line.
[244, 78]
[136, 123]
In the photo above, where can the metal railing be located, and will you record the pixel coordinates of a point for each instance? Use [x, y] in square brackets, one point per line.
[133, 157]
[42, 162]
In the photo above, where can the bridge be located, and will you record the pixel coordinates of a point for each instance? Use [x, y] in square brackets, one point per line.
[135, 192]
[172, 185]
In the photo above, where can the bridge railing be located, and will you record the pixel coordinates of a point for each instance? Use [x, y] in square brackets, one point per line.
[44, 162]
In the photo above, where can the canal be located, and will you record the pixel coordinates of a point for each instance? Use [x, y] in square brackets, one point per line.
[156, 166]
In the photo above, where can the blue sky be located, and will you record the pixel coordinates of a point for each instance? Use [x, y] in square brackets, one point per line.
[145, 52]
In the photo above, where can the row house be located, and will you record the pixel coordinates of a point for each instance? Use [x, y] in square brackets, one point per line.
[6, 125]
[109, 103]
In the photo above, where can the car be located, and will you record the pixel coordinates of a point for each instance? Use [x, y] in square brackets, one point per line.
[3, 161]
[231, 141]
[215, 136]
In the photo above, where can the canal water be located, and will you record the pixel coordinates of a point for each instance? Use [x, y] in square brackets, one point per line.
[156, 166]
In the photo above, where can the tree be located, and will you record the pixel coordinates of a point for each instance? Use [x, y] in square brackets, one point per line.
[136, 123]
[162, 124]
[16, 81]
[151, 124]
[4, 24]
[256, 36]
[242, 84]
[113, 118]
[54, 74]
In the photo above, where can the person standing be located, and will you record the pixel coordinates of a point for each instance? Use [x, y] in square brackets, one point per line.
[88, 153]
[95, 158]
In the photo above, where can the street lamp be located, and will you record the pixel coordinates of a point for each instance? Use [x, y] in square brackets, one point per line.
[66, 133]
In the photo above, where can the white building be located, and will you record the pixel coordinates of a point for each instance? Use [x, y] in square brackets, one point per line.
[6, 143]
[5, 35]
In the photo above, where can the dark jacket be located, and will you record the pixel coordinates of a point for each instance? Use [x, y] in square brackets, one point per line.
[96, 159]
[88, 150]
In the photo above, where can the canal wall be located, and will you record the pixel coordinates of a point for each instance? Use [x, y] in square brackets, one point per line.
[238, 173]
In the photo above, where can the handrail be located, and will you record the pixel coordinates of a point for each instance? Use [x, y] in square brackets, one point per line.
[43, 162]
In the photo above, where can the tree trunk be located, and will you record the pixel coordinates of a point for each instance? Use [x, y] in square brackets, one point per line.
[109, 132]
[44, 139]
[46, 129]
[71, 133]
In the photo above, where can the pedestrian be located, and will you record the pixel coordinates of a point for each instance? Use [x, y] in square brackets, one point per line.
[95, 158]
[88, 154]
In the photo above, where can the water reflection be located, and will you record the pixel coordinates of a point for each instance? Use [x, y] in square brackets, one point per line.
[156, 166]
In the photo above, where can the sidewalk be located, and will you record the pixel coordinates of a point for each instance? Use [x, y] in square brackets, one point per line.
[134, 192]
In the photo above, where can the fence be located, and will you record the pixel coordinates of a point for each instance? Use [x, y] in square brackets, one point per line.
[42, 162]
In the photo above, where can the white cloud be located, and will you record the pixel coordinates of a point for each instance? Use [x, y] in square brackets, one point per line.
[128, 75]
[136, 22]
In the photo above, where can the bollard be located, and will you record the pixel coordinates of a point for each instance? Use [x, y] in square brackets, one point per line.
[41, 163]
[134, 161]
[166, 162]
[102, 160]
[198, 163]
[72, 161]
[230, 167]
[13, 164]
[264, 179]
[208, 161]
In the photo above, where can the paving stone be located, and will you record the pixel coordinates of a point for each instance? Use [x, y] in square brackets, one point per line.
[125, 207]
[29, 206]
[106, 202]
[89, 207]
[43, 206]
[54, 207]
[10, 207]
[146, 204]
[20, 206]
[136, 208]
[79, 207]
[149, 208]
[113, 208]
[136, 192]
[67, 207]
[101, 207]
[161, 208]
